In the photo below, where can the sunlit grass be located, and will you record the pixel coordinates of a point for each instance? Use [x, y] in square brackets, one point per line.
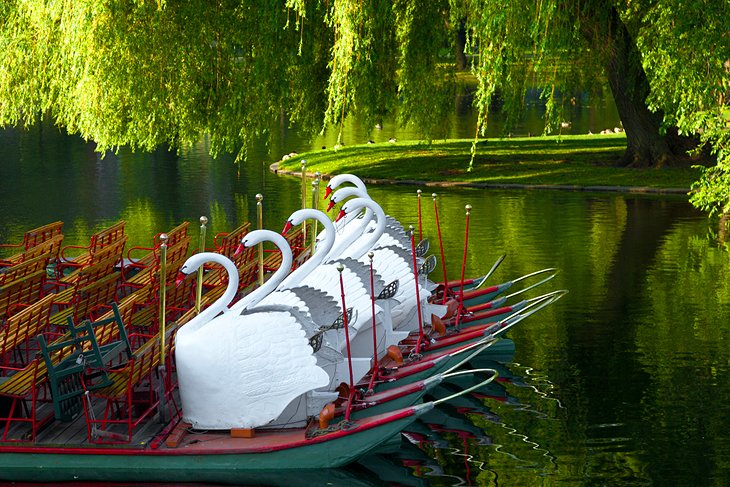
[577, 160]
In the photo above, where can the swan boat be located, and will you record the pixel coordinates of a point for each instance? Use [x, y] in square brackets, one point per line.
[217, 386]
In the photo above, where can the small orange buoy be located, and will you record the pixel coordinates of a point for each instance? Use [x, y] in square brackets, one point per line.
[438, 325]
[326, 415]
[395, 354]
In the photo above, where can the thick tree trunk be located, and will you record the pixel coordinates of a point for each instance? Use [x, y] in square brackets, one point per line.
[459, 47]
[646, 146]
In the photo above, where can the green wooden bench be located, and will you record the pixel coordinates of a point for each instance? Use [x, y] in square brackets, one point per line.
[130, 396]
[84, 362]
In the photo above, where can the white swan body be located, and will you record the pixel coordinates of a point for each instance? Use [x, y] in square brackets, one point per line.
[240, 371]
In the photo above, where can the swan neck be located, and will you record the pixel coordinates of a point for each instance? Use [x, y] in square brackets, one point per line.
[220, 304]
[322, 252]
[260, 293]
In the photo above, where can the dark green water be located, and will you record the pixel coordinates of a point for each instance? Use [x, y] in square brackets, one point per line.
[622, 382]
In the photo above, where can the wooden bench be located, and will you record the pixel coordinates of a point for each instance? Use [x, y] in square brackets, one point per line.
[50, 247]
[111, 255]
[24, 387]
[178, 300]
[87, 300]
[227, 243]
[85, 276]
[19, 329]
[131, 396]
[31, 239]
[84, 362]
[97, 241]
[24, 269]
[176, 255]
[151, 256]
[22, 292]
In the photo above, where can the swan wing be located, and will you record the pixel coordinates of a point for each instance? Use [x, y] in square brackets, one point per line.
[243, 370]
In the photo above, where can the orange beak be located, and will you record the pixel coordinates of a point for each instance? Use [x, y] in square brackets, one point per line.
[327, 191]
[330, 205]
[341, 214]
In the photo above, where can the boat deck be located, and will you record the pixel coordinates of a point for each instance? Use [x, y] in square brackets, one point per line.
[75, 433]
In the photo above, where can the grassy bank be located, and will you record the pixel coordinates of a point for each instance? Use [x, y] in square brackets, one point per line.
[577, 160]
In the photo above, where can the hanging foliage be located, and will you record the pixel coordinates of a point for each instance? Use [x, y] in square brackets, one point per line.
[150, 73]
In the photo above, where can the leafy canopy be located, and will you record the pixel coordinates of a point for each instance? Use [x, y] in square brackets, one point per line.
[145, 73]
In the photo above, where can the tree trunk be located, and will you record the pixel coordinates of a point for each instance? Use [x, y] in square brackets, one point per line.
[460, 46]
[646, 146]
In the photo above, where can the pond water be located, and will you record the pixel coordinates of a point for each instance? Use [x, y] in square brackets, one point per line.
[622, 382]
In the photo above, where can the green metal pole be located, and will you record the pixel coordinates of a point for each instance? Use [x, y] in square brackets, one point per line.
[260, 220]
[199, 289]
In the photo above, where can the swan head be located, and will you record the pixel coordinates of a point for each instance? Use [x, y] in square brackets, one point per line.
[354, 205]
[298, 217]
[258, 236]
[194, 262]
[343, 178]
[342, 194]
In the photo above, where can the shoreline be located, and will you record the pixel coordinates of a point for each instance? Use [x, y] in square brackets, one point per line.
[465, 184]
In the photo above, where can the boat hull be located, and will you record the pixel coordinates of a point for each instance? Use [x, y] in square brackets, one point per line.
[208, 458]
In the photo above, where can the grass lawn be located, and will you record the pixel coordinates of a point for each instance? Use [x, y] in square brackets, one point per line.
[575, 160]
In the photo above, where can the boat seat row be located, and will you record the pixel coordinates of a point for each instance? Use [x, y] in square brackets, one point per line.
[51, 232]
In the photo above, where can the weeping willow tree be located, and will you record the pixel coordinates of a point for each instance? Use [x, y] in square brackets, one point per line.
[144, 74]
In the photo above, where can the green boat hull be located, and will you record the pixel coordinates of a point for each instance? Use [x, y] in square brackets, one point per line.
[170, 465]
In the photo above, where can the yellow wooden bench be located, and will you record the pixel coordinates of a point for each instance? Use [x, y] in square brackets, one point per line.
[87, 300]
[176, 255]
[31, 239]
[97, 241]
[23, 269]
[295, 238]
[22, 292]
[151, 256]
[110, 254]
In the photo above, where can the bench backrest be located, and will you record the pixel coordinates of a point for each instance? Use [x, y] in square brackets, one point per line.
[107, 236]
[24, 269]
[173, 236]
[87, 299]
[25, 325]
[31, 238]
[22, 291]
[227, 243]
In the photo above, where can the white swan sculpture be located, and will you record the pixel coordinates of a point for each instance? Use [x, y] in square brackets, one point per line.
[241, 371]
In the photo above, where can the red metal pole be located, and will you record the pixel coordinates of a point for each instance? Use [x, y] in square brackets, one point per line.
[441, 246]
[463, 266]
[420, 226]
[418, 294]
[341, 268]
